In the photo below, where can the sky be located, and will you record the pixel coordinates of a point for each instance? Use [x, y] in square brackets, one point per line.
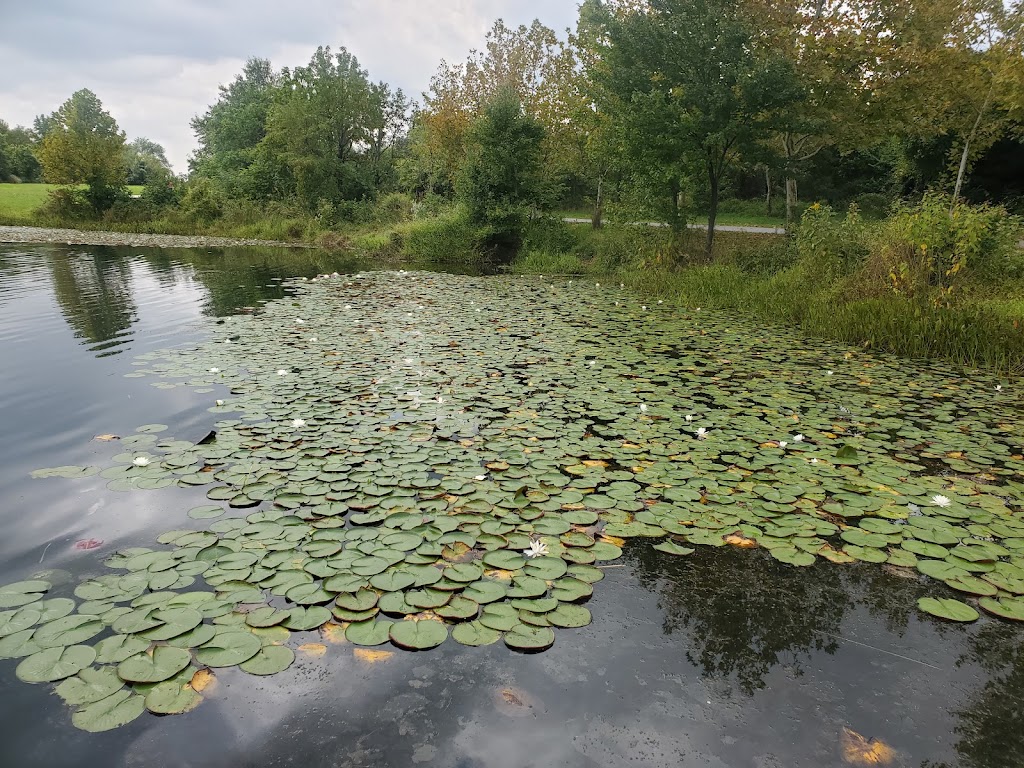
[156, 64]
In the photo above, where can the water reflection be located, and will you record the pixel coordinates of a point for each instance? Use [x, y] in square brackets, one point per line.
[745, 613]
[94, 292]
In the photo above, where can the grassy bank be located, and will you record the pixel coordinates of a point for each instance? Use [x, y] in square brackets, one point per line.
[870, 285]
[20, 202]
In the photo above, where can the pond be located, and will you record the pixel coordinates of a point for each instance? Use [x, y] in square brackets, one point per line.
[619, 533]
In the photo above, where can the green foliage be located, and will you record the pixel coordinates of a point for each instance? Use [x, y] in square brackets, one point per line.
[18, 162]
[500, 184]
[144, 160]
[828, 247]
[83, 145]
[931, 248]
[202, 201]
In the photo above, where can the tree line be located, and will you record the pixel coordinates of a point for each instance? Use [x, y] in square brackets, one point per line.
[648, 108]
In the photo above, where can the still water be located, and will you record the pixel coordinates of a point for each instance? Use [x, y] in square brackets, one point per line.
[726, 658]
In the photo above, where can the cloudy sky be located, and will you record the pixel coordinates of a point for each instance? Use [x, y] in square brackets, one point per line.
[157, 63]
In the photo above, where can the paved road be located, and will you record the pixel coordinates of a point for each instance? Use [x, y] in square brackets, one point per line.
[718, 227]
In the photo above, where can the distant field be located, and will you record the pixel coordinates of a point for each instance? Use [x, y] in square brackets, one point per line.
[20, 200]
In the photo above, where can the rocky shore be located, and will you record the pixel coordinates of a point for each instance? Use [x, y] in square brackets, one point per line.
[86, 237]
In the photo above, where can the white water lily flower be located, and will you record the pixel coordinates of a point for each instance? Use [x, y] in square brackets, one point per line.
[219, 402]
[914, 509]
[701, 433]
[313, 338]
[298, 423]
[829, 373]
[643, 407]
[941, 501]
[348, 306]
[783, 443]
[660, 301]
[480, 478]
[215, 370]
[282, 372]
[616, 303]
[622, 285]
[798, 438]
[688, 417]
[597, 285]
[643, 307]
[999, 387]
[140, 461]
[299, 320]
[814, 461]
[440, 399]
[537, 549]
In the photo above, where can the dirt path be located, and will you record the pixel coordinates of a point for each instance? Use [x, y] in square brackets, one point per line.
[86, 237]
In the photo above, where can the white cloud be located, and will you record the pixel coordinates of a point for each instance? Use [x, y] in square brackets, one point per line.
[157, 65]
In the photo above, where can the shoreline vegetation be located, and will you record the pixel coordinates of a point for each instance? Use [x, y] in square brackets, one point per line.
[899, 194]
[872, 284]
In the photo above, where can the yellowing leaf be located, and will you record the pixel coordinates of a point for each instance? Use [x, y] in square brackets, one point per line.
[368, 656]
[333, 633]
[203, 680]
[860, 751]
[106, 438]
[737, 540]
[613, 540]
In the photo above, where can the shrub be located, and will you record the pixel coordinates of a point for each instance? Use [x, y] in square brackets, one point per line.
[829, 247]
[66, 203]
[392, 208]
[202, 201]
[933, 248]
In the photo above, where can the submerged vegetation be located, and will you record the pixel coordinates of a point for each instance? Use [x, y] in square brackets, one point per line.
[413, 457]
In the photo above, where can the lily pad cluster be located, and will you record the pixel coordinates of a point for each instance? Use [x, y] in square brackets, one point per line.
[417, 457]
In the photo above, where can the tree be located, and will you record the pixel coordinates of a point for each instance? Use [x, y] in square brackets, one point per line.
[17, 154]
[690, 87]
[145, 160]
[501, 182]
[84, 146]
[231, 130]
[318, 127]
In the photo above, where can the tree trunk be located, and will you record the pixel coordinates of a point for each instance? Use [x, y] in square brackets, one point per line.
[709, 243]
[595, 220]
[791, 200]
[768, 193]
[967, 147]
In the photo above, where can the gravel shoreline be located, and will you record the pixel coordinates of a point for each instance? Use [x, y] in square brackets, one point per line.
[86, 237]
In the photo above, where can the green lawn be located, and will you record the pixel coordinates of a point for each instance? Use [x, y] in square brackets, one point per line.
[19, 201]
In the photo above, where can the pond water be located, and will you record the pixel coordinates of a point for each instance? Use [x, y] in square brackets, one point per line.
[728, 656]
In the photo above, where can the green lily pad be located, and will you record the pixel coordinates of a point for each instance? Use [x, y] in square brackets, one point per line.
[269, 660]
[53, 664]
[947, 608]
[418, 635]
[22, 593]
[165, 662]
[112, 712]
[473, 633]
[522, 637]
[171, 698]
[369, 633]
[229, 649]
[89, 686]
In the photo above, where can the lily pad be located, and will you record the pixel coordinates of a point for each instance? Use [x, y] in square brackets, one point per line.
[947, 608]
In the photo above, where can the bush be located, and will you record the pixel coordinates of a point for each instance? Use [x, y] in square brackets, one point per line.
[443, 239]
[134, 212]
[66, 204]
[202, 201]
[934, 248]
[872, 205]
[392, 208]
[828, 247]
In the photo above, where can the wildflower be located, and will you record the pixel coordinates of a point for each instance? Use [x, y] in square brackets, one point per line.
[701, 433]
[798, 438]
[140, 461]
[537, 549]
[941, 501]
[298, 423]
